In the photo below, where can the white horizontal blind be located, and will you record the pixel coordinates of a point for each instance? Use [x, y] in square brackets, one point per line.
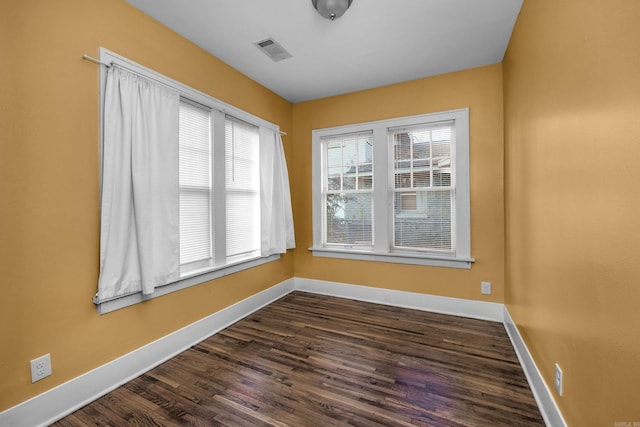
[348, 189]
[196, 249]
[424, 190]
[242, 185]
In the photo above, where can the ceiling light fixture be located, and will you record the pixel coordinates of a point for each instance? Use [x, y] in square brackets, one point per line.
[331, 9]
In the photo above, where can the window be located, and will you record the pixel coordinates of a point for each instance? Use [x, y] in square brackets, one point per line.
[242, 185]
[213, 233]
[349, 189]
[231, 177]
[241, 164]
[394, 190]
[424, 192]
[196, 191]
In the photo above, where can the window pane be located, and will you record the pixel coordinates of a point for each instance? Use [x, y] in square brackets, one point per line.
[349, 218]
[426, 227]
[421, 146]
[365, 182]
[349, 152]
[402, 171]
[242, 168]
[442, 132]
[401, 146]
[421, 151]
[365, 150]
[194, 146]
[408, 202]
[243, 226]
[334, 178]
[422, 179]
[441, 178]
[334, 154]
[441, 149]
[349, 181]
[195, 226]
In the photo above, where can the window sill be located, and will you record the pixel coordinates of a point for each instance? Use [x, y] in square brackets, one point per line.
[192, 279]
[396, 258]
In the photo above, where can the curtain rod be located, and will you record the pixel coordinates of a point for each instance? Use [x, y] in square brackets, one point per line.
[97, 61]
[94, 60]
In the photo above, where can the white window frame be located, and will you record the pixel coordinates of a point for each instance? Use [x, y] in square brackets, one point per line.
[383, 184]
[219, 110]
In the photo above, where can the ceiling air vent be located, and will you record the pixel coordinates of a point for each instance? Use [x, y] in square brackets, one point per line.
[273, 49]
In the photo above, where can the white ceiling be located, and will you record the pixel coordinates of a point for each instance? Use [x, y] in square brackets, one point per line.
[375, 43]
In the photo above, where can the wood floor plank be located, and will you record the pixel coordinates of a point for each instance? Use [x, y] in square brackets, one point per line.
[312, 360]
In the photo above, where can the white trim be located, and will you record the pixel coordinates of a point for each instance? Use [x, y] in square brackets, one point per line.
[446, 305]
[541, 392]
[394, 257]
[187, 281]
[62, 400]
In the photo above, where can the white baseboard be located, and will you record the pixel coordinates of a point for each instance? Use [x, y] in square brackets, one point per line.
[446, 305]
[546, 403]
[62, 400]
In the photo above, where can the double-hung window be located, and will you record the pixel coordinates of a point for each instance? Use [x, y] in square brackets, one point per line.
[219, 215]
[424, 191]
[196, 190]
[242, 190]
[394, 190]
[348, 195]
[235, 236]
[229, 190]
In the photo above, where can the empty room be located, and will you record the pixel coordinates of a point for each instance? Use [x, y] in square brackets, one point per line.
[320, 212]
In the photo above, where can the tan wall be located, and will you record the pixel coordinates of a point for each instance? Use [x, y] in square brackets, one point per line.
[572, 120]
[49, 206]
[479, 89]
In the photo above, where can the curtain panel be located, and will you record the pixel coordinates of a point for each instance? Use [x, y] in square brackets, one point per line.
[276, 213]
[139, 233]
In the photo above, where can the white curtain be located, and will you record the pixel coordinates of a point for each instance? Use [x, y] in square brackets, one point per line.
[139, 231]
[277, 216]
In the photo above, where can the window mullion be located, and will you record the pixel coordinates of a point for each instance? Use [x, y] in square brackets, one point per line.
[218, 201]
[382, 196]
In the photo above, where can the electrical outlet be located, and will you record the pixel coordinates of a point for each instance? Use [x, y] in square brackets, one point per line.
[558, 380]
[40, 368]
[485, 288]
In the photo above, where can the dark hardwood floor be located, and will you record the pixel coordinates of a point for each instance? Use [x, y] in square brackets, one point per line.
[311, 360]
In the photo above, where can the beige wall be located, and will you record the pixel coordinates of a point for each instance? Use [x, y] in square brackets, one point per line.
[572, 120]
[479, 89]
[49, 200]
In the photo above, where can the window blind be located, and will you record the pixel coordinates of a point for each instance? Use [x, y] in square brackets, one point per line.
[424, 190]
[242, 184]
[195, 182]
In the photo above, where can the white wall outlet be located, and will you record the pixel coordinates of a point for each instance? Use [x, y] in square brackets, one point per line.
[40, 368]
[485, 288]
[558, 380]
